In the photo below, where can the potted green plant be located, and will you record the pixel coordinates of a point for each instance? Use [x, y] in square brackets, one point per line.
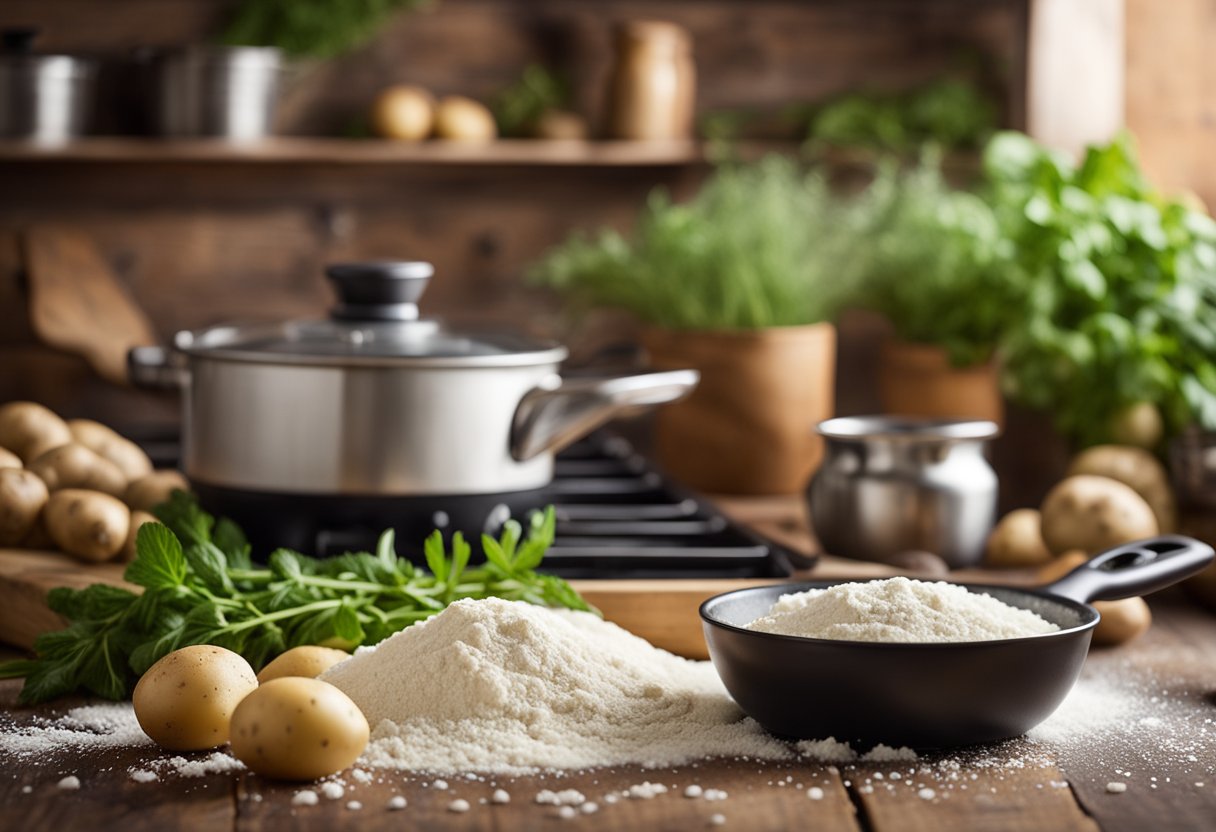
[933, 267]
[1117, 339]
[741, 283]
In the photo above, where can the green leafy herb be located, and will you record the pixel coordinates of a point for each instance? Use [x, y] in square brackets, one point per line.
[760, 245]
[200, 587]
[935, 263]
[949, 113]
[519, 106]
[1119, 284]
[311, 28]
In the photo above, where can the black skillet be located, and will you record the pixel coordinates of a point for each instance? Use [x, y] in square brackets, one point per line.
[930, 695]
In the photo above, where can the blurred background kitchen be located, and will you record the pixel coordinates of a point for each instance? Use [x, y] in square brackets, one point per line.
[827, 206]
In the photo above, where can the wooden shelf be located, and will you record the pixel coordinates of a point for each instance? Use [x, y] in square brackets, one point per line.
[330, 151]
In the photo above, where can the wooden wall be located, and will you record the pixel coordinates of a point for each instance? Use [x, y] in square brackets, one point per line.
[201, 243]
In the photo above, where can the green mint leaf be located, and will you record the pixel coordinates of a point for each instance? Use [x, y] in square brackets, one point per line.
[495, 554]
[159, 561]
[230, 540]
[510, 537]
[183, 515]
[285, 564]
[346, 624]
[210, 566]
[385, 550]
[436, 560]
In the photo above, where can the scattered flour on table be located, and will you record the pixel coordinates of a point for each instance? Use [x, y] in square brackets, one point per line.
[508, 687]
[899, 610]
[110, 725]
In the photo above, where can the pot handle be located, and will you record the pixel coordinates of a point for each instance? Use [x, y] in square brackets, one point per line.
[1134, 569]
[550, 418]
[156, 368]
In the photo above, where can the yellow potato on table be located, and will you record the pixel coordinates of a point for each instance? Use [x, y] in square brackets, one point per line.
[298, 729]
[186, 700]
[308, 661]
[30, 430]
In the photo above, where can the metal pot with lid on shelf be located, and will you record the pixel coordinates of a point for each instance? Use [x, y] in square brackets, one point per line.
[377, 414]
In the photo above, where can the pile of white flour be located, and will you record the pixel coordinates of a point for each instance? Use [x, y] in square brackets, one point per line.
[899, 610]
[508, 687]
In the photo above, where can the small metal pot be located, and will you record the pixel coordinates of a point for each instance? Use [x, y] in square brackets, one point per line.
[892, 484]
[375, 402]
[219, 92]
[45, 99]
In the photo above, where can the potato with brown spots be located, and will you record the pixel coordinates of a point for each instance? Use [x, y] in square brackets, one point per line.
[88, 524]
[1093, 514]
[298, 729]
[146, 493]
[107, 443]
[308, 661]
[30, 430]
[22, 497]
[75, 466]
[186, 700]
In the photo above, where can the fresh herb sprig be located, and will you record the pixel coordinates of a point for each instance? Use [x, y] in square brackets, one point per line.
[200, 586]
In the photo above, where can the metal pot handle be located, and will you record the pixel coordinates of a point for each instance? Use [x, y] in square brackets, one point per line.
[1134, 569]
[549, 419]
[157, 368]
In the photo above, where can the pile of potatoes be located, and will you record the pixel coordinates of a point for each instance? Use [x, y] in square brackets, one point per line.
[1113, 494]
[76, 486]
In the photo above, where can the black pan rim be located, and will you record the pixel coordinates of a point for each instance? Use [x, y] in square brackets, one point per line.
[801, 586]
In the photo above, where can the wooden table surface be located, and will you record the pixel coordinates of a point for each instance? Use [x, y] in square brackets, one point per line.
[1016, 785]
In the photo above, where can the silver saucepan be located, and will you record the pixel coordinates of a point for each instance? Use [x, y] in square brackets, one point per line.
[376, 403]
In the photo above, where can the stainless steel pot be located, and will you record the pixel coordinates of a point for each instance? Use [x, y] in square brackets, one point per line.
[892, 484]
[45, 99]
[376, 402]
[221, 92]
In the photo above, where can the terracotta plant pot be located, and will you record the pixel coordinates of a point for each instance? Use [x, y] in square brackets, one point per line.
[749, 427]
[919, 380]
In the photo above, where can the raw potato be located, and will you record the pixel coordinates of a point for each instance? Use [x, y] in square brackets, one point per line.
[1138, 424]
[404, 113]
[309, 661]
[462, 119]
[75, 466]
[298, 729]
[22, 497]
[1094, 513]
[1122, 620]
[29, 430]
[88, 524]
[562, 125]
[146, 493]
[186, 700]
[1017, 541]
[8, 459]
[1138, 469]
[108, 444]
[138, 518]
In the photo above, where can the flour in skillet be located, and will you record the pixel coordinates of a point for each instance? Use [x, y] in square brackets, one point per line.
[899, 610]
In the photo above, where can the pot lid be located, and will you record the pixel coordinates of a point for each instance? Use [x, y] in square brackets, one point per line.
[375, 322]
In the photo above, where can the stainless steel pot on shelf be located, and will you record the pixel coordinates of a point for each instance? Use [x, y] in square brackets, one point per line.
[891, 484]
[44, 99]
[378, 402]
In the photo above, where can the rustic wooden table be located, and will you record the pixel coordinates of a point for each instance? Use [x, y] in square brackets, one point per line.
[1017, 785]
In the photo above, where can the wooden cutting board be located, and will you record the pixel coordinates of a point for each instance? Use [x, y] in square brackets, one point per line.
[662, 611]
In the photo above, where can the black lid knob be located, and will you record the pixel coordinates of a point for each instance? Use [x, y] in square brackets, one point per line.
[379, 291]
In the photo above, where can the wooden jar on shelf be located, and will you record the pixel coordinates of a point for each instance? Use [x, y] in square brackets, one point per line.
[653, 87]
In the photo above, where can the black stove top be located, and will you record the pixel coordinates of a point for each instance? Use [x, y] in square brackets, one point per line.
[617, 517]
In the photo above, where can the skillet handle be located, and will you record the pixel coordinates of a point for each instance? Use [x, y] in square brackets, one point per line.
[1134, 569]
